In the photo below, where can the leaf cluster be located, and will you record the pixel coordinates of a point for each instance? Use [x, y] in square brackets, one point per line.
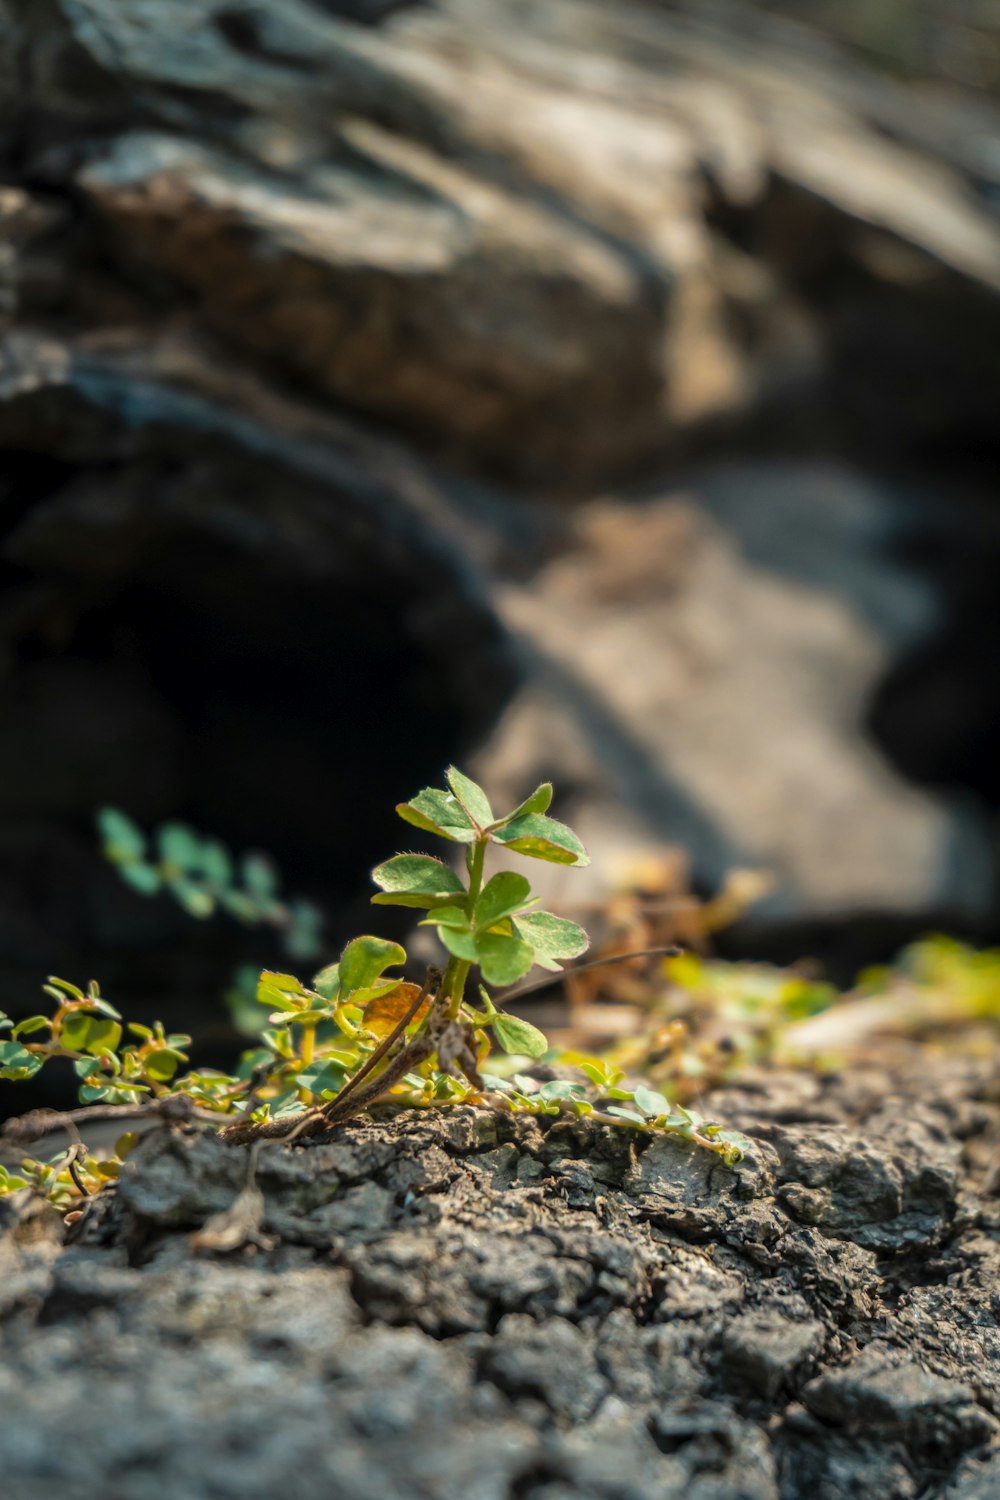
[204, 877]
[360, 1018]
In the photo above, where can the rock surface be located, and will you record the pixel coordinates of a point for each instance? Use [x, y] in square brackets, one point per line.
[310, 316]
[699, 666]
[472, 1305]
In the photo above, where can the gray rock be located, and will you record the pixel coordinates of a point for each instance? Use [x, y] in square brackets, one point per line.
[460, 1331]
[699, 669]
[767, 1349]
[880, 1393]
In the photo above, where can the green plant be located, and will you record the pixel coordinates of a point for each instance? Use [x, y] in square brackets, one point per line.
[203, 877]
[358, 1034]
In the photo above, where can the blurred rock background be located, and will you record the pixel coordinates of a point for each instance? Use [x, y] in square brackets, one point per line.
[597, 392]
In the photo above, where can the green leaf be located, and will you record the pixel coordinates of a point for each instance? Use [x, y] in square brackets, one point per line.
[9, 1183]
[29, 1025]
[416, 880]
[260, 876]
[736, 1146]
[542, 838]
[502, 959]
[651, 1103]
[438, 812]
[97, 1035]
[282, 991]
[519, 1037]
[538, 802]
[104, 1007]
[460, 941]
[364, 961]
[325, 1076]
[303, 938]
[194, 898]
[17, 1063]
[631, 1115]
[98, 1094]
[123, 841]
[448, 916]
[559, 1088]
[472, 797]
[161, 1065]
[72, 990]
[142, 877]
[327, 982]
[179, 846]
[216, 862]
[552, 938]
[501, 896]
[279, 1039]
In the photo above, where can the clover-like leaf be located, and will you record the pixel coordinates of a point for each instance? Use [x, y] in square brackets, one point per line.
[540, 837]
[651, 1103]
[416, 880]
[473, 799]
[560, 1088]
[86, 1033]
[195, 899]
[363, 962]
[502, 958]
[518, 1036]
[179, 846]
[162, 1064]
[123, 841]
[215, 862]
[327, 982]
[441, 813]
[103, 1007]
[29, 1025]
[260, 876]
[455, 932]
[17, 1063]
[326, 1075]
[538, 802]
[597, 1069]
[282, 991]
[552, 938]
[141, 876]
[506, 893]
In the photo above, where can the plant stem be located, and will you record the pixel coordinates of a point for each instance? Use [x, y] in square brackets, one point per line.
[308, 1054]
[457, 971]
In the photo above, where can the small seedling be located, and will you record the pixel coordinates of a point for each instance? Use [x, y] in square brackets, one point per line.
[359, 1034]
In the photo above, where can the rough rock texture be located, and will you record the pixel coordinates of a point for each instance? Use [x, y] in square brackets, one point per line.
[473, 1306]
[489, 221]
[255, 258]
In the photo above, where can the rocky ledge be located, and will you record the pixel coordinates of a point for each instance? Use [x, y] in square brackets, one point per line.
[463, 1305]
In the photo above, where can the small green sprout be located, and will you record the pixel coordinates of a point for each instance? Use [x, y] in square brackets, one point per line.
[360, 1032]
